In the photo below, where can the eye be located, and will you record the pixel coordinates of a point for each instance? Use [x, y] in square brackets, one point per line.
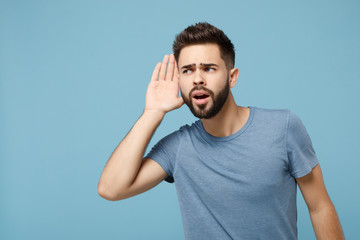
[187, 71]
[209, 69]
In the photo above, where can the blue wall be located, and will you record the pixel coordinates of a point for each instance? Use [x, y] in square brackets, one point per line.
[73, 77]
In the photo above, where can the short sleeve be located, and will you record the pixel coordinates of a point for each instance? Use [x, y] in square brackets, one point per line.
[164, 153]
[301, 154]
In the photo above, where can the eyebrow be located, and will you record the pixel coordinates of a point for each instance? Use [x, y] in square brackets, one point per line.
[188, 66]
[201, 64]
[208, 64]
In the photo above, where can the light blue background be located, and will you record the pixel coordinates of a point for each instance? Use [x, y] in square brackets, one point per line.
[73, 76]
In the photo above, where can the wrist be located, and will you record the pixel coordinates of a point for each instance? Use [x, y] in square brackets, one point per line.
[153, 114]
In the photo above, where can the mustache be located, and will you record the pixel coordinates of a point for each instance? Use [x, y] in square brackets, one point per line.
[202, 88]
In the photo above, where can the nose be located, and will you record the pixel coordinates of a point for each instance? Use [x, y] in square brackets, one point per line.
[199, 79]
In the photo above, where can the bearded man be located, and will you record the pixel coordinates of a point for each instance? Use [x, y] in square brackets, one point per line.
[236, 169]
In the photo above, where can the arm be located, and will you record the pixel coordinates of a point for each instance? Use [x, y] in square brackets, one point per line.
[323, 215]
[126, 173]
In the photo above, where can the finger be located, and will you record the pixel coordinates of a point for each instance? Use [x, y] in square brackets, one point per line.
[170, 70]
[155, 74]
[163, 67]
[176, 72]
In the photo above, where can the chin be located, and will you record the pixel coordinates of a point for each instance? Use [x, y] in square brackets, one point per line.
[205, 113]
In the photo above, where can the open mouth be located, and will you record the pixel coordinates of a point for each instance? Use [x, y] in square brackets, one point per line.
[200, 97]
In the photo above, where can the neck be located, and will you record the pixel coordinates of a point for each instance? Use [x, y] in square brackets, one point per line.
[230, 119]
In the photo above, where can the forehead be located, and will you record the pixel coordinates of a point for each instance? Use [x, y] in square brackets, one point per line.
[200, 53]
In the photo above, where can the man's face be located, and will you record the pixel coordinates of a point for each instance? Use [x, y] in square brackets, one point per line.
[204, 79]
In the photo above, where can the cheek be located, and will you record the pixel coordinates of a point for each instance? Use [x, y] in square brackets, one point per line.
[184, 88]
[221, 82]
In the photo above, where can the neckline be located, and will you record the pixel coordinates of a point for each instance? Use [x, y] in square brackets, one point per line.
[210, 137]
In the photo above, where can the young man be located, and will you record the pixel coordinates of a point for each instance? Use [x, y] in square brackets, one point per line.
[236, 169]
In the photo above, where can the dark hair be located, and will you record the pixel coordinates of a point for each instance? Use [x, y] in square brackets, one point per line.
[201, 33]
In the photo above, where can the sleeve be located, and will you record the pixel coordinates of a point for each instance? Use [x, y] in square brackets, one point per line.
[301, 154]
[164, 153]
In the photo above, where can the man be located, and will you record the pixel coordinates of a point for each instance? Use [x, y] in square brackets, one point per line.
[236, 169]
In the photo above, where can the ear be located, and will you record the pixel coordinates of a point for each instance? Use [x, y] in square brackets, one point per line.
[234, 74]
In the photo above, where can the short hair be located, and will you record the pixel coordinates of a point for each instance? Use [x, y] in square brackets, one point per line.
[202, 33]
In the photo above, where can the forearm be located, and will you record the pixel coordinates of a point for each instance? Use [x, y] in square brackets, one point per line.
[118, 179]
[326, 223]
[124, 163]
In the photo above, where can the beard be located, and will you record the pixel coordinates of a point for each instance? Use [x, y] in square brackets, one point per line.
[203, 111]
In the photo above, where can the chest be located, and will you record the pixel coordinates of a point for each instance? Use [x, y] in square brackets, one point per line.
[246, 168]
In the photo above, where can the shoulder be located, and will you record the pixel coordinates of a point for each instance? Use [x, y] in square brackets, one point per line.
[281, 113]
[181, 133]
[187, 128]
[295, 126]
[271, 112]
[278, 120]
[273, 118]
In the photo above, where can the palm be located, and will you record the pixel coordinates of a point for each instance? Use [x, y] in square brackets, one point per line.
[163, 90]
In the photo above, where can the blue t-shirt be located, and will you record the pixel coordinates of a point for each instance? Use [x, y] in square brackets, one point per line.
[241, 186]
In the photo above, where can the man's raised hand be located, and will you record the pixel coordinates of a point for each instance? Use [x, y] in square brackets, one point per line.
[163, 90]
